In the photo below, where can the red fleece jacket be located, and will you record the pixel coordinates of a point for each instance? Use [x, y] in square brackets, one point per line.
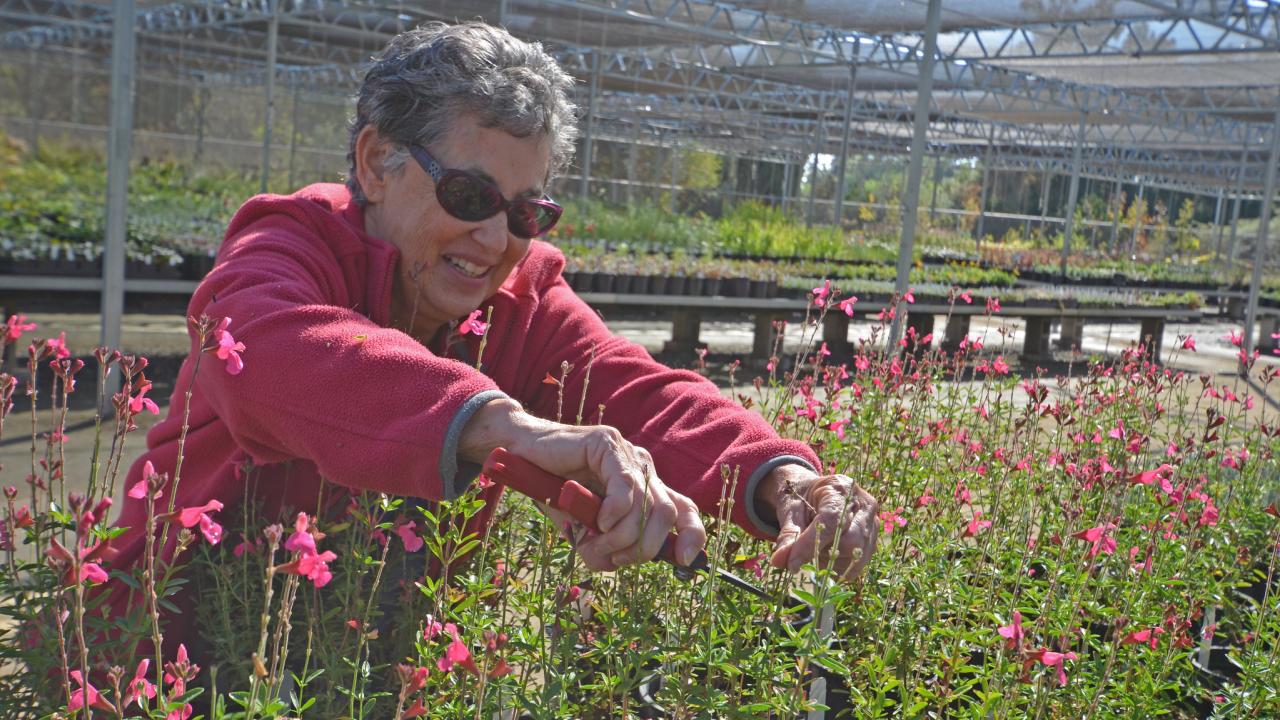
[329, 390]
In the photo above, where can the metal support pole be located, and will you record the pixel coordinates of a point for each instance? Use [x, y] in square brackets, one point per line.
[633, 149]
[919, 141]
[1235, 215]
[1073, 195]
[1260, 246]
[937, 180]
[1217, 224]
[502, 13]
[1118, 209]
[293, 132]
[1044, 200]
[786, 185]
[844, 144]
[813, 174]
[1139, 216]
[119, 149]
[588, 135]
[273, 35]
[983, 192]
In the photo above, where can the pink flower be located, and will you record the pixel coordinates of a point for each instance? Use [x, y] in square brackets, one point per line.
[837, 427]
[909, 295]
[59, 347]
[228, 349]
[1150, 637]
[820, 294]
[181, 714]
[1209, 515]
[1100, 537]
[86, 695]
[139, 489]
[1189, 344]
[1235, 338]
[966, 297]
[993, 305]
[457, 653]
[999, 366]
[140, 687]
[976, 525]
[1013, 631]
[92, 572]
[473, 325]
[925, 500]
[1147, 477]
[846, 305]
[753, 564]
[890, 518]
[1054, 659]
[301, 540]
[192, 516]
[316, 567]
[431, 628]
[142, 402]
[412, 542]
[14, 326]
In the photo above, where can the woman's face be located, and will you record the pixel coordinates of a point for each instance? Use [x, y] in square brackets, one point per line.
[448, 267]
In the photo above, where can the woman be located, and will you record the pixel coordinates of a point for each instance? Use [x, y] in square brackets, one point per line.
[348, 299]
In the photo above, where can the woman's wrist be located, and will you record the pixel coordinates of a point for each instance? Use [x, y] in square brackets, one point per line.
[501, 422]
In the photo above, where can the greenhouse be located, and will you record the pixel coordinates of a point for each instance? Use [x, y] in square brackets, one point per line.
[976, 306]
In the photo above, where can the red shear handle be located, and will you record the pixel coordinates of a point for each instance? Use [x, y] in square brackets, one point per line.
[569, 496]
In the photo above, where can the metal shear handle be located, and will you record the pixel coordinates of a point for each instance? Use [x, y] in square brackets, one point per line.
[569, 496]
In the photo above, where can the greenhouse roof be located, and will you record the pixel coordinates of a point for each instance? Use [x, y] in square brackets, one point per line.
[1179, 92]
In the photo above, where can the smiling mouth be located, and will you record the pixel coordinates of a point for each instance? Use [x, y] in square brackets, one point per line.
[466, 268]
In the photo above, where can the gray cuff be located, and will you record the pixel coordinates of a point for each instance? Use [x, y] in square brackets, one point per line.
[456, 475]
[754, 481]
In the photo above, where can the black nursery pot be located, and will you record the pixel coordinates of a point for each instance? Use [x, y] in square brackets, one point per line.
[677, 285]
[711, 286]
[693, 285]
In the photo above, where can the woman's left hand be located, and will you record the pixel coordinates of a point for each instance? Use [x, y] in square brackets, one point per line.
[823, 519]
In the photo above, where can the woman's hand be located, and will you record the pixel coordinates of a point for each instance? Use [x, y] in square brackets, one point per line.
[822, 519]
[638, 511]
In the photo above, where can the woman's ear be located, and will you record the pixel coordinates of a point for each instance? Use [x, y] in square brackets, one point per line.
[371, 153]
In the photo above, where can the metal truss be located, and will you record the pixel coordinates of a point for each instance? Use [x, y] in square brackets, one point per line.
[745, 39]
[1183, 27]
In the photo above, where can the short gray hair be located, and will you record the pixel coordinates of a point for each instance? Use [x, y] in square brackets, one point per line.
[429, 76]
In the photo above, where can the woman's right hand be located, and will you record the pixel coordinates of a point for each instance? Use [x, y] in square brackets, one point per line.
[638, 511]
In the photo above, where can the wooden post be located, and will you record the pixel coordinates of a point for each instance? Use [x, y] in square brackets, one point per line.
[957, 331]
[765, 335]
[835, 333]
[1152, 336]
[1036, 343]
[1072, 333]
[686, 323]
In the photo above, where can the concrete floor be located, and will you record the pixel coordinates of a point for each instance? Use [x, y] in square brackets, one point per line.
[165, 337]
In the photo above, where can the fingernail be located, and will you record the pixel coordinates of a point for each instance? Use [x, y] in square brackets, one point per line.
[688, 556]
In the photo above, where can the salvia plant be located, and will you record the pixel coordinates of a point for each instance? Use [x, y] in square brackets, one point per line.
[1098, 544]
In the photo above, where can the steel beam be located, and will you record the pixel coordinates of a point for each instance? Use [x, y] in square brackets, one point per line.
[119, 150]
[1073, 195]
[1260, 246]
[915, 166]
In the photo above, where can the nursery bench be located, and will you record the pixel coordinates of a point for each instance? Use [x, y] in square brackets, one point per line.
[686, 311]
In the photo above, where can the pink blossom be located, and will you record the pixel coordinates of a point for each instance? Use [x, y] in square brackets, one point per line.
[316, 567]
[301, 540]
[228, 349]
[1208, 515]
[192, 516]
[837, 427]
[909, 296]
[59, 346]
[925, 500]
[976, 525]
[412, 541]
[473, 325]
[140, 687]
[14, 326]
[999, 366]
[753, 564]
[820, 294]
[457, 653]
[86, 695]
[142, 402]
[1235, 338]
[92, 572]
[431, 628]
[966, 297]
[1147, 477]
[890, 518]
[846, 305]
[1013, 631]
[1150, 636]
[993, 305]
[1189, 344]
[1054, 659]
[1100, 538]
[139, 489]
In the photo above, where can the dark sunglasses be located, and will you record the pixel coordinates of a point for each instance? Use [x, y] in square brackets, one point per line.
[472, 198]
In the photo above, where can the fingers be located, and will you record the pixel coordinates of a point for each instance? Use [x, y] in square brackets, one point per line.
[691, 535]
[839, 518]
[623, 477]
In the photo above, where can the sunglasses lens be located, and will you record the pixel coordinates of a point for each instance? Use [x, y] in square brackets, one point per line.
[466, 197]
[528, 219]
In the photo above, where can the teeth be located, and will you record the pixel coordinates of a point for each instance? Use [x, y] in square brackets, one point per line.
[466, 267]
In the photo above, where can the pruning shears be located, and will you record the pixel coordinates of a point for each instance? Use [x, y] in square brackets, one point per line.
[583, 505]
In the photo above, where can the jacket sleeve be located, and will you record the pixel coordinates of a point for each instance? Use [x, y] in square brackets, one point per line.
[680, 417]
[370, 406]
